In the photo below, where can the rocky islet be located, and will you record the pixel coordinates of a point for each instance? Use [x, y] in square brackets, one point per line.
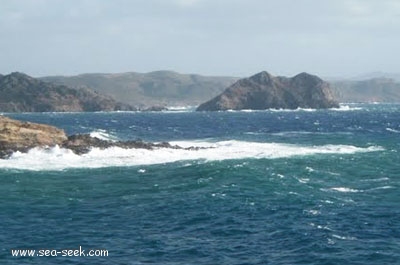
[265, 91]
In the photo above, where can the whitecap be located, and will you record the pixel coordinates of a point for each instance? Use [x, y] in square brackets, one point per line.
[293, 110]
[310, 169]
[381, 188]
[346, 108]
[103, 135]
[344, 237]
[57, 158]
[271, 110]
[344, 189]
[392, 130]
[376, 179]
[303, 180]
[181, 108]
[312, 212]
[321, 227]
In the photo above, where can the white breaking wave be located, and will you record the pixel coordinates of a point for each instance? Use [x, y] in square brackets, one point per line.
[346, 108]
[57, 158]
[344, 237]
[103, 135]
[392, 130]
[345, 189]
[181, 108]
[292, 110]
[341, 108]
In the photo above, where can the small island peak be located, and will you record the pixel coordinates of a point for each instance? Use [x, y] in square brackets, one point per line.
[264, 91]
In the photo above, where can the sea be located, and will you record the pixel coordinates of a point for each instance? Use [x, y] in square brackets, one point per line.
[264, 187]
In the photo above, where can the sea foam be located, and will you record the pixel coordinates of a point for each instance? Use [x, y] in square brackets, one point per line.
[57, 158]
[103, 135]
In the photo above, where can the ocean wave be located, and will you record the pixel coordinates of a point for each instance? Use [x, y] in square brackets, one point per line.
[271, 110]
[341, 108]
[346, 108]
[392, 130]
[294, 133]
[57, 158]
[382, 188]
[345, 189]
[343, 237]
[181, 108]
[103, 135]
[293, 110]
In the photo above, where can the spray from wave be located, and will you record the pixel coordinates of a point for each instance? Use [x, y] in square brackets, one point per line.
[57, 158]
[103, 135]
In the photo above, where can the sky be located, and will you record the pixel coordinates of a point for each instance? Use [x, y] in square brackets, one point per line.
[334, 38]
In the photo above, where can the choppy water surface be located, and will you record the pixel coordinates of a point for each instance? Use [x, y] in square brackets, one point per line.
[274, 187]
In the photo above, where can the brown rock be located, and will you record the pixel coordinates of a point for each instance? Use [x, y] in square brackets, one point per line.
[264, 91]
[22, 136]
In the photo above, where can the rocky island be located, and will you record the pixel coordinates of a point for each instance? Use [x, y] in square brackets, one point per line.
[23, 136]
[265, 91]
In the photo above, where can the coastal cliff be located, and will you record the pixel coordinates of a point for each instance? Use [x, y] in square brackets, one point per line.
[264, 91]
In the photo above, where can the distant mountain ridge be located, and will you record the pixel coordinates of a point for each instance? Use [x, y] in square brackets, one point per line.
[265, 91]
[377, 75]
[384, 90]
[168, 88]
[152, 91]
[22, 93]
[159, 88]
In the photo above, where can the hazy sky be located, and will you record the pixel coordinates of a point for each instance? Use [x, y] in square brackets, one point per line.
[211, 37]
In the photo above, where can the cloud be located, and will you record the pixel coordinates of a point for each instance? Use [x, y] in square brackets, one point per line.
[206, 36]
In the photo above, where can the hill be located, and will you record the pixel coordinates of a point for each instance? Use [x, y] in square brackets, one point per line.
[372, 90]
[376, 75]
[22, 93]
[264, 91]
[160, 88]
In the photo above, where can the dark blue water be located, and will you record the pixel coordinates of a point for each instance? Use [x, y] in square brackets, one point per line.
[340, 207]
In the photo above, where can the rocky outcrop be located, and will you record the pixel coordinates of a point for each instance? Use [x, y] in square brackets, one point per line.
[23, 136]
[22, 93]
[264, 91]
[83, 143]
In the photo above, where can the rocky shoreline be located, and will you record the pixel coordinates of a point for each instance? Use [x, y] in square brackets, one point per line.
[18, 136]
